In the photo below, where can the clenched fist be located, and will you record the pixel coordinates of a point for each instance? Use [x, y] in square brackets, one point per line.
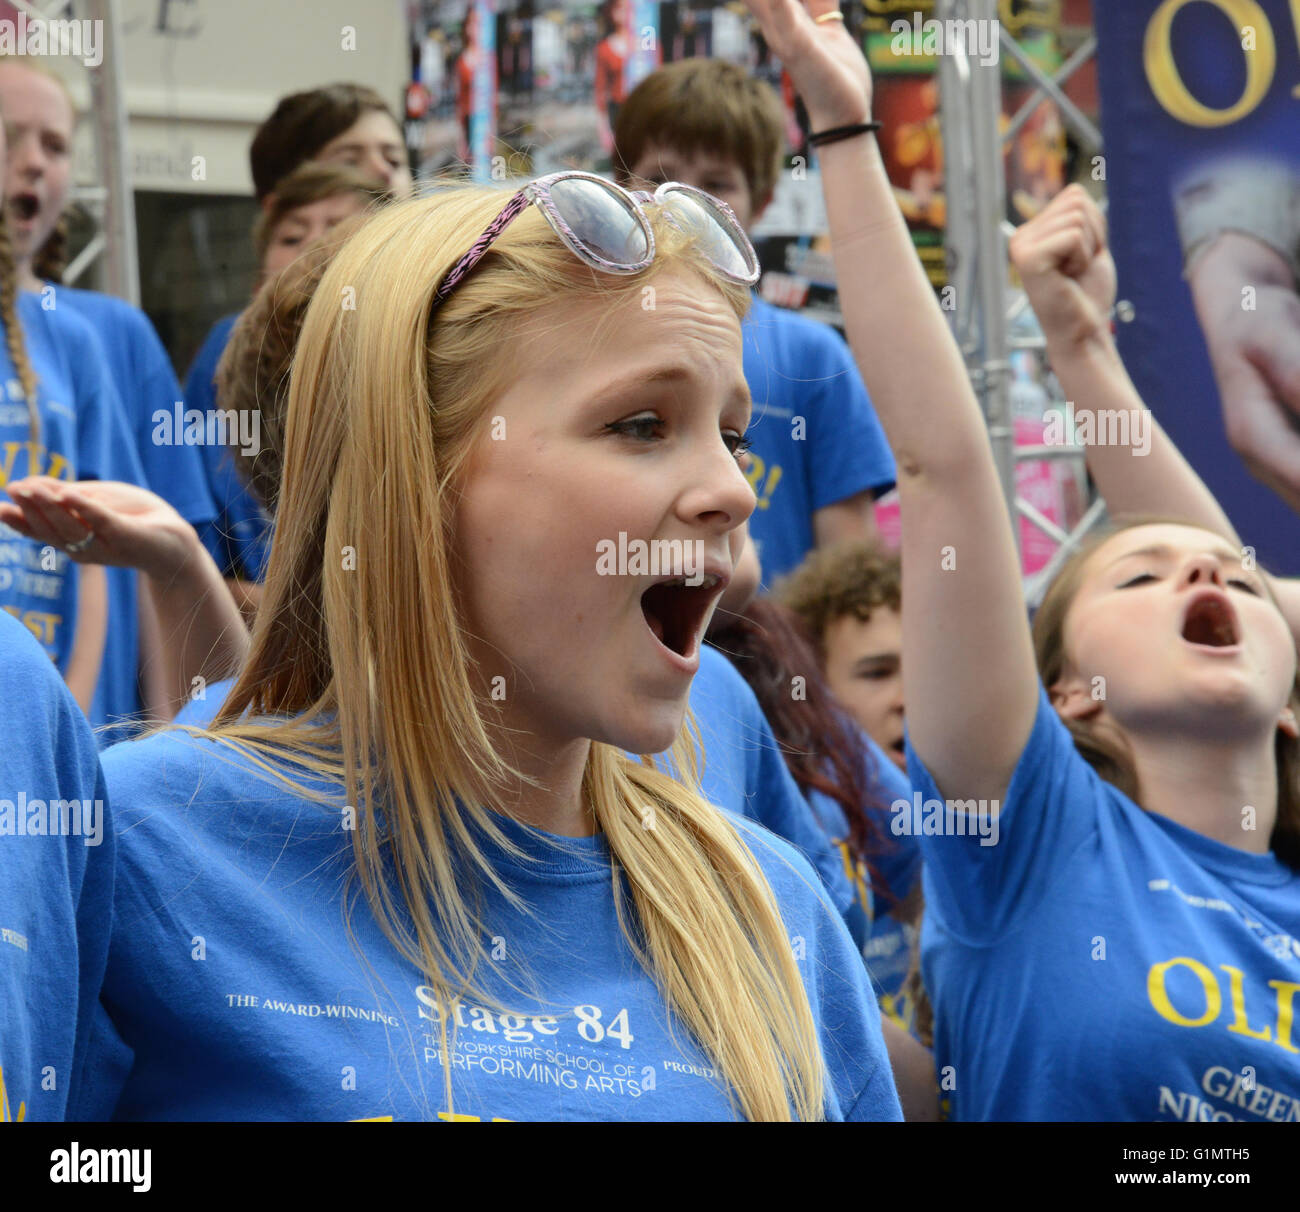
[1067, 270]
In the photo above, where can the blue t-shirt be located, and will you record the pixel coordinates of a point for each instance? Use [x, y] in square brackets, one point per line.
[203, 704]
[234, 988]
[888, 946]
[56, 883]
[240, 540]
[146, 383]
[83, 437]
[815, 437]
[743, 771]
[1099, 962]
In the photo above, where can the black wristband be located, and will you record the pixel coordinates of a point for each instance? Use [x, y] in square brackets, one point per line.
[835, 133]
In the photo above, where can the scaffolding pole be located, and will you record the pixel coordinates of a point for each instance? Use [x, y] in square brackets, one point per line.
[108, 113]
[976, 235]
[978, 240]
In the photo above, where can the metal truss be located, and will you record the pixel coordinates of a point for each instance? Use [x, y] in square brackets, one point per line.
[976, 236]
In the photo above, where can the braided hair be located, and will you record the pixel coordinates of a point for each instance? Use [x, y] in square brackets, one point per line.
[52, 257]
[14, 342]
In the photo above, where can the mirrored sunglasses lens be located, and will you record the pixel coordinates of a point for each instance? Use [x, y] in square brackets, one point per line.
[717, 239]
[600, 221]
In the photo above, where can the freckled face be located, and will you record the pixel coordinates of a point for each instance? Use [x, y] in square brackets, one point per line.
[1185, 637]
[864, 670]
[622, 420]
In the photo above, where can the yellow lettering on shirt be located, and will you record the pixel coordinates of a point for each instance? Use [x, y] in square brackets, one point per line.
[855, 872]
[757, 470]
[41, 623]
[1286, 991]
[40, 462]
[1279, 1034]
[1239, 1025]
[1160, 997]
[7, 1115]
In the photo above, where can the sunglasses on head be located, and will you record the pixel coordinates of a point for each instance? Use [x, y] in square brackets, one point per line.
[607, 227]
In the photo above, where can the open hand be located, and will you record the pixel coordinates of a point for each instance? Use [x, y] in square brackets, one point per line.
[131, 527]
[824, 62]
[1250, 314]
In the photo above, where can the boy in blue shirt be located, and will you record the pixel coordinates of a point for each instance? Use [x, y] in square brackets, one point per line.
[848, 597]
[819, 457]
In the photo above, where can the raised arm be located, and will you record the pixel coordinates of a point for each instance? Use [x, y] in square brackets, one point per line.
[1069, 275]
[969, 675]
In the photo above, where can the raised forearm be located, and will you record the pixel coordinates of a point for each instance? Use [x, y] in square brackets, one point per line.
[891, 318]
[202, 631]
[961, 577]
[1145, 473]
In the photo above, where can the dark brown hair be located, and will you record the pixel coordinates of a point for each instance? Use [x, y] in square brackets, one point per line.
[301, 124]
[707, 105]
[1105, 753]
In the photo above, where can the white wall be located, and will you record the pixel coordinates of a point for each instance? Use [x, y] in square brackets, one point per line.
[202, 74]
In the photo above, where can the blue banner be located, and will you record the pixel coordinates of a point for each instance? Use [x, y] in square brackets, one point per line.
[1201, 118]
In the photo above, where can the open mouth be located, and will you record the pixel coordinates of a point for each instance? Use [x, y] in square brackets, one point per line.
[1211, 622]
[25, 206]
[675, 611]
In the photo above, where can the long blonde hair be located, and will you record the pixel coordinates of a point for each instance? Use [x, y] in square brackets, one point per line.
[359, 646]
